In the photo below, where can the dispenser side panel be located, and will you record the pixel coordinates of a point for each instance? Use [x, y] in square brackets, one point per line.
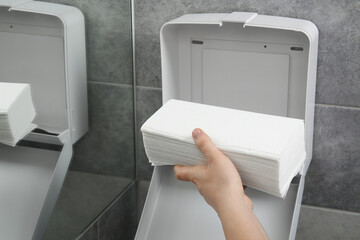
[75, 50]
[297, 208]
[310, 104]
[170, 50]
[54, 189]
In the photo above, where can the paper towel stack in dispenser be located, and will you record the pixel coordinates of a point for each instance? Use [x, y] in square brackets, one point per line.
[245, 61]
[41, 44]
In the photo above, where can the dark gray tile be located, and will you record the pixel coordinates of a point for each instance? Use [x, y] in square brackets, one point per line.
[142, 191]
[339, 49]
[82, 199]
[108, 39]
[148, 66]
[327, 224]
[333, 178]
[120, 220]
[108, 147]
[148, 100]
[90, 234]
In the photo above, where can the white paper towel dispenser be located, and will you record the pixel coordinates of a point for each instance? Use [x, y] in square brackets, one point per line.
[42, 44]
[244, 61]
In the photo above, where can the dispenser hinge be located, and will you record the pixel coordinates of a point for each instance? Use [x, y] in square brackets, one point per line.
[240, 17]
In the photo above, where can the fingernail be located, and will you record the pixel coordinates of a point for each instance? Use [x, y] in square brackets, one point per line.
[196, 133]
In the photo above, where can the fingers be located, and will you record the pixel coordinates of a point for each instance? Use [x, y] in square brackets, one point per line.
[249, 202]
[186, 173]
[206, 146]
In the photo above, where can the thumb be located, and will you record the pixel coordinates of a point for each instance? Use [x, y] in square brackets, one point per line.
[206, 146]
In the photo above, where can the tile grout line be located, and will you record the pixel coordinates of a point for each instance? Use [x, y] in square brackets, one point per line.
[337, 106]
[136, 171]
[112, 84]
[131, 184]
[331, 209]
[150, 88]
[86, 230]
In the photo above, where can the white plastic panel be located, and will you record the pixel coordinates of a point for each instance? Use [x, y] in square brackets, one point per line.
[181, 201]
[30, 182]
[239, 17]
[38, 60]
[275, 214]
[175, 210]
[21, 201]
[33, 52]
[249, 81]
[282, 80]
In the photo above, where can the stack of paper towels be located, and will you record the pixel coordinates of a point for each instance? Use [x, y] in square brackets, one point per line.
[16, 112]
[268, 151]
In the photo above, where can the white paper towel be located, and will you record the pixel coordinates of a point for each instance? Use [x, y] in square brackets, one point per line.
[267, 150]
[16, 112]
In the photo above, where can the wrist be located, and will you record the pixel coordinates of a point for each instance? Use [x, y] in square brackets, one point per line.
[234, 205]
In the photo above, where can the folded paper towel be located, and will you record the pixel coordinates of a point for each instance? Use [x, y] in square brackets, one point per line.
[16, 112]
[267, 150]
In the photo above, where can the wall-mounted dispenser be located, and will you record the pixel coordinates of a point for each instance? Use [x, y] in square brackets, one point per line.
[42, 44]
[244, 61]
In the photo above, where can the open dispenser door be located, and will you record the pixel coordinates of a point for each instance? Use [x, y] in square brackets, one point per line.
[42, 44]
[31, 176]
[244, 61]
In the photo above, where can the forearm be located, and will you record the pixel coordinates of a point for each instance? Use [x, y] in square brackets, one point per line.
[239, 222]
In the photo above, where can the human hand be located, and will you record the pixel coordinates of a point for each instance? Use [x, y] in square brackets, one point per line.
[220, 184]
[219, 181]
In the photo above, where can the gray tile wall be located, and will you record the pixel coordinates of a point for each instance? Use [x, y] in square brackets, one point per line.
[119, 221]
[108, 148]
[333, 178]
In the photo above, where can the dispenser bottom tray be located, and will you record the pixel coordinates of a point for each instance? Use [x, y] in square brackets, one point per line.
[175, 210]
[30, 180]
